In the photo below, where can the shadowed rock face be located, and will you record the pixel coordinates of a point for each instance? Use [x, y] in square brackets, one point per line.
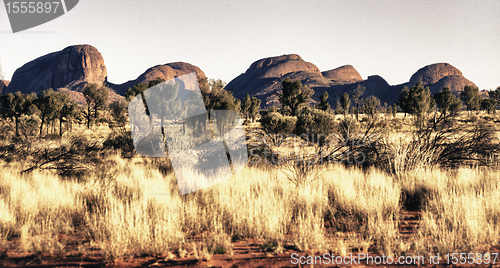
[343, 75]
[167, 71]
[3, 85]
[73, 67]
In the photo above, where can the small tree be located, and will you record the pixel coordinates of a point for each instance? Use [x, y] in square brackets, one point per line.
[495, 94]
[118, 110]
[68, 111]
[345, 101]
[245, 106]
[370, 106]
[418, 101]
[254, 108]
[323, 102]
[17, 104]
[356, 97]
[294, 95]
[221, 99]
[489, 105]
[49, 106]
[446, 101]
[97, 100]
[470, 97]
[404, 101]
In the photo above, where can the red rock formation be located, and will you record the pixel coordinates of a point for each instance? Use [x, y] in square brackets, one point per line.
[167, 71]
[343, 75]
[73, 67]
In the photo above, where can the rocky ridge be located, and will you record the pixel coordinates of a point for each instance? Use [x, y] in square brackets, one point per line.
[74, 67]
[264, 77]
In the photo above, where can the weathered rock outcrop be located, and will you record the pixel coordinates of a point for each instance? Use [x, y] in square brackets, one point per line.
[73, 67]
[439, 75]
[265, 75]
[167, 71]
[343, 75]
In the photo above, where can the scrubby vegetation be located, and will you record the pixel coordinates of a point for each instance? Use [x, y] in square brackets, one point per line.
[315, 180]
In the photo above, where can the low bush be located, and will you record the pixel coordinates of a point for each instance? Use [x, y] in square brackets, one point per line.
[278, 124]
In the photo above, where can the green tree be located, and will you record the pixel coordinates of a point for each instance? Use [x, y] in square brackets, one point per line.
[294, 95]
[97, 100]
[245, 106]
[17, 104]
[370, 106]
[50, 104]
[118, 110]
[495, 94]
[345, 101]
[62, 98]
[404, 101]
[68, 111]
[489, 105]
[417, 101]
[388, 110]
[254, 108]
[356, 97]
[221, 99]
[470, 97]
[324, 105]
[447, 102]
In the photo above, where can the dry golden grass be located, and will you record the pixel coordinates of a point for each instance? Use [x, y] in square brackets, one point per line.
[133, 209]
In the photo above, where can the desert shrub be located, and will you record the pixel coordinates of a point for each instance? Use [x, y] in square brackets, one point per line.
[473, 118]
[314, 125]
[440, 142]
[120, 139]
[301, 170]
[73, 157]
[264, 148]
[353, 143]
[28, 125]
[278, 124]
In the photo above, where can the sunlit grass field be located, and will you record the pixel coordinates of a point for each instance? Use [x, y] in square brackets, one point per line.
[133, 209]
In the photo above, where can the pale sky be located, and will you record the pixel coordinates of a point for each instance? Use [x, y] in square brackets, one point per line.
[392, 39]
